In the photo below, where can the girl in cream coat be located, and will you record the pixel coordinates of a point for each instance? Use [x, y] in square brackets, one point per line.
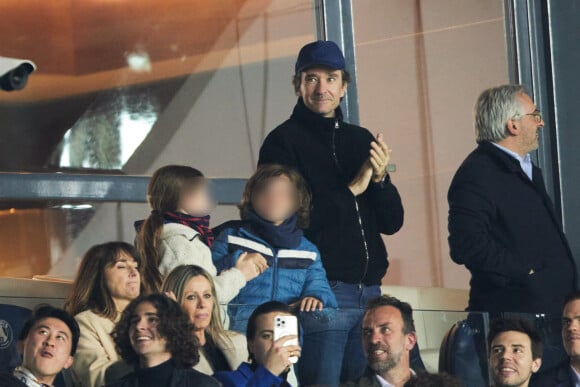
[177, 232]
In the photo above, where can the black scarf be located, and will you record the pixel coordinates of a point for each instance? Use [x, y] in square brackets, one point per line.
[198, 223]
[286, 236]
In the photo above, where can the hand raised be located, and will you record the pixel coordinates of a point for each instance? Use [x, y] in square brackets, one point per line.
[278, 357]
[251, 265]
[361, 182]
[380, 155]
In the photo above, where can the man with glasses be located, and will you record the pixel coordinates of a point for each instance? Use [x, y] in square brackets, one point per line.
[502, 223]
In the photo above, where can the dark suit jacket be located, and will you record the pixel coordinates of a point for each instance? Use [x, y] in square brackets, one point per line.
[560, 377]
[7, 380]
[501, 226]
[369, 379]
[180, 378]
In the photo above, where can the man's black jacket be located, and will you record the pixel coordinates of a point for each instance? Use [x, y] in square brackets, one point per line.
[329, 152]
[502, 227]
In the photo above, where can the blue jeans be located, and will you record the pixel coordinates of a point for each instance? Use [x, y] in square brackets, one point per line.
[332, 349]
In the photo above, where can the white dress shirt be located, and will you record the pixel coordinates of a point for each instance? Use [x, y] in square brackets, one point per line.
[525, 162]
[384, 383]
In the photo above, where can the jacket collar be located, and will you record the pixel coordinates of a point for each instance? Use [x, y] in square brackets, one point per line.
[565, 374]
[508, 161]
[313, 120]
[369, 379]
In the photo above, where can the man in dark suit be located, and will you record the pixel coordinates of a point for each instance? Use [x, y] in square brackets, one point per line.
[502, 224]
[568, 374]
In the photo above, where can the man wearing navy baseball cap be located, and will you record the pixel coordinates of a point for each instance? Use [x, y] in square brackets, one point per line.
[354, 202]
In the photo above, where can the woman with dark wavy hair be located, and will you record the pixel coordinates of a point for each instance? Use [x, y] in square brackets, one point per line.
[154, 335]
[108, 279]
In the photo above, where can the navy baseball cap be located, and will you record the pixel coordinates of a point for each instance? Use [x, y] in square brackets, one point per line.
[320, 53]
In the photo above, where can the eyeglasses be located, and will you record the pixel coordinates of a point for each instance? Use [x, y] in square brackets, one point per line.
[536, 114]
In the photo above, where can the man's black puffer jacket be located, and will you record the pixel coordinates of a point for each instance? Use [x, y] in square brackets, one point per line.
[329, 152]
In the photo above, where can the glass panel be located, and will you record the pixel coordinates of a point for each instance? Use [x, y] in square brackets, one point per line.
[108, 132]
[112, 73]
[465, 348]
[420, 67]
[38, 241]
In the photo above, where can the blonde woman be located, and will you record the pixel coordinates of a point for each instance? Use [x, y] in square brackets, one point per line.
[194, 289]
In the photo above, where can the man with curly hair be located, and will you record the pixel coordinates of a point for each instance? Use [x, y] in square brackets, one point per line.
[156, 337]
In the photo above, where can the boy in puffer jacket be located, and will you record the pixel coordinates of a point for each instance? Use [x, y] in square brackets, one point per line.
[274, 210]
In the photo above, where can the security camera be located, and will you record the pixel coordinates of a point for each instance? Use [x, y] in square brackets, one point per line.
[14, 73]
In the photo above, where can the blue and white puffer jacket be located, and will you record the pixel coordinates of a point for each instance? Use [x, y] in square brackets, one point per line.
[292, 273]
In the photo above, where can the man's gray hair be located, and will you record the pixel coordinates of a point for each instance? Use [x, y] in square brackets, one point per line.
[493, 109]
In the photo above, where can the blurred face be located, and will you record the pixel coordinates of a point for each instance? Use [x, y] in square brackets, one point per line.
[529, 126]
[145, 337]
[511, 359]
[385, 344]
[196, 201]
[571, 329]
[198, 302]
[264, 338]
[123, 279]
[276, 202]
[321, 90]
[46, 349]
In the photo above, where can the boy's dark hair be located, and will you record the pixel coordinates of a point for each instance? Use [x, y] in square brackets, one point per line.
[404, 307]
[265, 308]
[501, 325]
[174, 326]
[575, 295]
[425, 379]
[46, 311]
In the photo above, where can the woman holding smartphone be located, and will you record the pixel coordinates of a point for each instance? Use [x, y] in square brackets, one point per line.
[270, 360]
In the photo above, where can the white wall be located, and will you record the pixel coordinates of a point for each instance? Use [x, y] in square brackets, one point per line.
[421, 65]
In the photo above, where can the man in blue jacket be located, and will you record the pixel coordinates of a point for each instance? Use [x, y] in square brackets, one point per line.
[271, 361]
[354, 202]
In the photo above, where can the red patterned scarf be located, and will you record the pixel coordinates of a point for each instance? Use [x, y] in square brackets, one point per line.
[199, 224]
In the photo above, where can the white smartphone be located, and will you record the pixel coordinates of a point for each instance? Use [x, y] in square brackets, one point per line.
[286, 326]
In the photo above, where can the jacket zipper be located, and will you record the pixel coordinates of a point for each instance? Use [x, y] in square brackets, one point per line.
[275, 275]
[360, 223]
